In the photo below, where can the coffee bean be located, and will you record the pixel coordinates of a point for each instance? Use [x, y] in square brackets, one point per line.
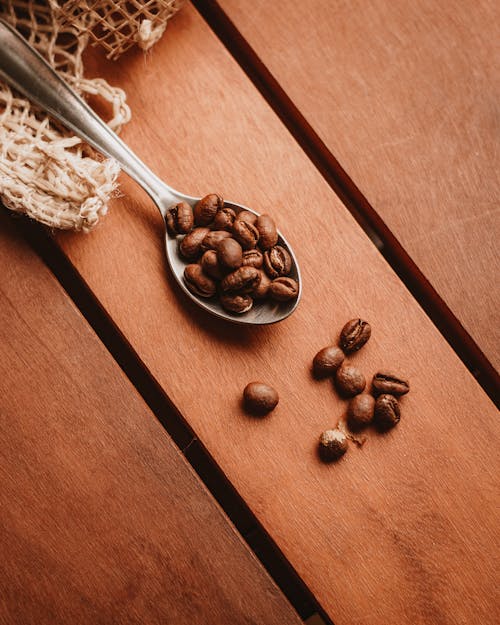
[243, 280]
[262, 289]
[268, 235]
[224, 219]
[332, 445]
[190, 246]
[236, 303]
[260, 398]
[277, 262]
[247, 216]
[206, 209]
[210, 265]
[284, 289]
[180, 219]
[387, 412]
[384, 382]
[245, 233]
[360, 411]
[197, 282]
[349, 381]
[327, 361]
[213, 238]
[230, 254]
[253, 258]
[354, 335]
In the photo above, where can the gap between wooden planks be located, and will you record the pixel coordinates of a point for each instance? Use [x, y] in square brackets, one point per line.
[404, 95]
[388, 534]
[102, 520]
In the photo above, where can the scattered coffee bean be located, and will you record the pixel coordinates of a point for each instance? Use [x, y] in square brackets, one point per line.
[213, 238]
[360, 411]
[387, 412]
[354, 335]
[260, 398]
[246, 234]
[211, 266]
[253, 258]
[236, 303]
[197, 282]
[327, 361]
[284, 289]
[180, 219]
[268, 235]
[190, 246]
[247, 216]
[349, 381]
[332, 445]
[206, 209]
[243, 280]
[262, 289]
[224, 219]
[277, 262]
[230, 254]
[384, 382]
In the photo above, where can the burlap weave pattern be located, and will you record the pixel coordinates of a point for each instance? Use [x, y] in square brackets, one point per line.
[45, 171]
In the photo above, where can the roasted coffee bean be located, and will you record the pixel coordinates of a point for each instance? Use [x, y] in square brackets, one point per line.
[245, 233]
[190, 246]
[360, 411]
[268, 235]
[284, 289]
[277, 262]
[387, 412]
[354, 335]
[384, 382]
[213, 238]
[327, 361]
[224, 219]
[180, 219]
[210, 265]
[206, 209]
[247, 216]
[349, 381]
[197, 282]
[253, 258]
[230, 254]
[262, 289]
[260, 398]
[243, 280]
[236, 303]
[332, 445]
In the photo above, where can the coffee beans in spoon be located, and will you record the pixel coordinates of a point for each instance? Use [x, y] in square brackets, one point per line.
[232, 256]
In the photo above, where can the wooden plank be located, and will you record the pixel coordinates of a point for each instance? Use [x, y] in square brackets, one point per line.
[405, 95]
[102, 520]
[388, 534]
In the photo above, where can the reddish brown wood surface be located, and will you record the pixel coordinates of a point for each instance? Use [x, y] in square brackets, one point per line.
[101, 519]
[405, 95]
[400, 531]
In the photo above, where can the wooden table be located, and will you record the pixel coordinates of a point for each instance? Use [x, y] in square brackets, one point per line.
[102, 519]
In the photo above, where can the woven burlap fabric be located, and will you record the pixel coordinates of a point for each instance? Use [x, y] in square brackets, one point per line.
[45, 171]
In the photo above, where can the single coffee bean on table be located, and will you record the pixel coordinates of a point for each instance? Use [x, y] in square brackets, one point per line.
[360, 411]
[354, 335]
[180, 219]
[327, 361]
[236, 303]
[260, 398]
[197, 282]
[206, 209]
[349, 380]
[268, 234]
[332, 445]
[387, 412]
[230, 254]
[190, 246]
[384, 382]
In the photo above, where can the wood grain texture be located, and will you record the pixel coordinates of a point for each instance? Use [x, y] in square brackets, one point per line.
[391, 533]
[405, 95]
[101, 519]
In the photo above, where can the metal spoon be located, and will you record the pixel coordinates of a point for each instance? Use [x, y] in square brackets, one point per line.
[26, 71]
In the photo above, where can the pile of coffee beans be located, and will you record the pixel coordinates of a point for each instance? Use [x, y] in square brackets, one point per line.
[234, 256]
[380, 408]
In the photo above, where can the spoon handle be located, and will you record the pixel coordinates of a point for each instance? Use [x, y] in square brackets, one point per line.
[25, 70]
